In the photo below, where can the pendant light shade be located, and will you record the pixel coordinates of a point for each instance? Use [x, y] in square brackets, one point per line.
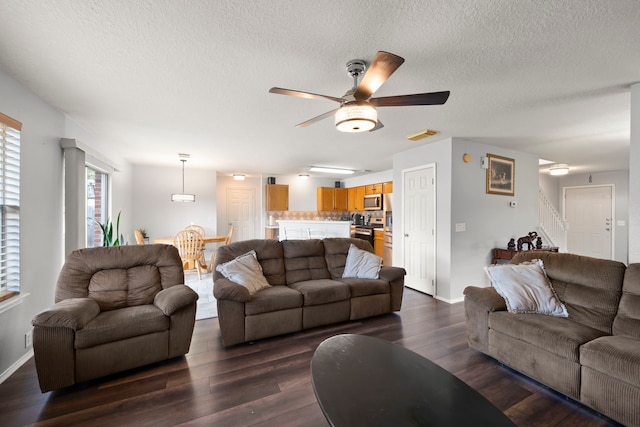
[356, 117]
[183, 197]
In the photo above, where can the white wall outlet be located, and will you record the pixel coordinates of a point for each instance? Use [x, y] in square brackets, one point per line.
[461, 226]
[513, 203]
[28, 339]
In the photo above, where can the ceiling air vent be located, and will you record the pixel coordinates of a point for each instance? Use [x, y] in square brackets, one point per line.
[422, 134]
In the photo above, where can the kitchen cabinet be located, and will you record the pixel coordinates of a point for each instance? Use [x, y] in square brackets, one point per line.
[277, 197]
[387, 187]
[373, 189]
[332, 199]
[355, 198]
[378, 243]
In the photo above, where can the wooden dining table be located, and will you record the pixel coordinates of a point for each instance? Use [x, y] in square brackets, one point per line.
[207, 239]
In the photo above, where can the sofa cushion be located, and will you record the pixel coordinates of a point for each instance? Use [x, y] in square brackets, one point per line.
[560, 336]
[140, 270]
[304, 260]
[321, 291]
[268, 253]
[273, 299]
[116, 325]
[361, 264]
[365, 287]
[590, 288]
[627, 321]
[119, 288]
[526, 289]
[246, 271]
[614, 356]
[336, 250]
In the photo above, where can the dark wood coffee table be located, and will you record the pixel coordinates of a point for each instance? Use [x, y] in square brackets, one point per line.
[367, 381]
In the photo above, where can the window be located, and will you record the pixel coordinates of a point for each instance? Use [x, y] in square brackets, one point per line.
[97, 203]
[9, 207]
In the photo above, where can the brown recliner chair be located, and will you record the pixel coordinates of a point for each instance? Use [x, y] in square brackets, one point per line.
[116, 308]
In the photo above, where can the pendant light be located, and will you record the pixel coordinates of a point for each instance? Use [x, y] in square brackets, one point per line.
[183, 197]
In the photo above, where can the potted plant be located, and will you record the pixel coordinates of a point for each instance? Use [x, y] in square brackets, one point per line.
[109, 238]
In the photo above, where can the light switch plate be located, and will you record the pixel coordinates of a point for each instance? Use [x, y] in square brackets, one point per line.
[461, 226]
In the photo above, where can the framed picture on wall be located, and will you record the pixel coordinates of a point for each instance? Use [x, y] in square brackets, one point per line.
[501, 175]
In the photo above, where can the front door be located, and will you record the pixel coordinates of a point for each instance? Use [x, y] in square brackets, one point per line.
[241, 213]
[589, 214]
[418, 225]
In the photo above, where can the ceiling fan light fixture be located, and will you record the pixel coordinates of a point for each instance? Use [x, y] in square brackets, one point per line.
[559, 169]
[356, 117]
[238, 177]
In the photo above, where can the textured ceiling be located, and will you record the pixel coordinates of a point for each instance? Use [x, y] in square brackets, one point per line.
[155, 78]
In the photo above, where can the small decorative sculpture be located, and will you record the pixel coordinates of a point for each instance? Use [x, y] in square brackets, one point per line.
[529, 239]
[512, 245]
[539, 243]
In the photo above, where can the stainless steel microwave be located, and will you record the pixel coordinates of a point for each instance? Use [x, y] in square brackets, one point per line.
[373, 202]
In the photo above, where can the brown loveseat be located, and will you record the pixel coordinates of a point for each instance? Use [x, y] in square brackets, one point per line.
[116, 308]
[307, 289]
[593, 355]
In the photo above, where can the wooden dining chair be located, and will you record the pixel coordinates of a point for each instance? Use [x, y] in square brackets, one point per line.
[190, 246]
[139, 237]
[226, 242]
[200, 229]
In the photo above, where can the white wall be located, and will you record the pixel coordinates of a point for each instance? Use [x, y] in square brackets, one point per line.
[371, 178]
[634, 177]
[153, 209]
[41, 240]
[620, 180]
[461, 198]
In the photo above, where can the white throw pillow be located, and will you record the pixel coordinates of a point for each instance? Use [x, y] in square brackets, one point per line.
[245, 270]
[526, 288]
[361, 264]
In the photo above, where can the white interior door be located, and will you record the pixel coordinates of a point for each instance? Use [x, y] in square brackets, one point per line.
[418, 228]
[589, 214]
[241, 213]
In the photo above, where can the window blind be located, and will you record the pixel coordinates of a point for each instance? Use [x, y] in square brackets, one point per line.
[9, 206]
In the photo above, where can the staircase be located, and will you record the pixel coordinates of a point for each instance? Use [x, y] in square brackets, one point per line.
[553, 229]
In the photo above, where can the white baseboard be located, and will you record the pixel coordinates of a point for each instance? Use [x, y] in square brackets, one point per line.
[450, 301]
[6, 374]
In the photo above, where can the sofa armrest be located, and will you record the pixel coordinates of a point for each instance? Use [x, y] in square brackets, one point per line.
[478, 304]
[225, 289]
[487, 298]
[395, 277]
[174, 298]
[72, 313]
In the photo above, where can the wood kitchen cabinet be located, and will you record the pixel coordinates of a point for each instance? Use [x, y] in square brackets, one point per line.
[332, 199]
[373, 189]
[387, 187]
[378, 243]
[355, 198]
[277, 197]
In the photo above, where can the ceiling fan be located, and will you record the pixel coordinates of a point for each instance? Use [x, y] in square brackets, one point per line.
[357, 110]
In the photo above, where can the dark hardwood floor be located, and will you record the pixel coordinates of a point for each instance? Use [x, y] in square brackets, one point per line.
[268, 383]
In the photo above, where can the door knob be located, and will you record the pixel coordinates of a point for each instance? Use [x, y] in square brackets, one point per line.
[406, 235]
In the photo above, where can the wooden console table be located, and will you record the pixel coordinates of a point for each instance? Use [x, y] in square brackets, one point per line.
[507, 254]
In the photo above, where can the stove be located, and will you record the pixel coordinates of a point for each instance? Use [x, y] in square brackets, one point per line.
[365, 232]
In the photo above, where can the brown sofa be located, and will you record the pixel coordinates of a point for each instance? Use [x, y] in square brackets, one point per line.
[592, 356]
[307, 289]
[116, 308]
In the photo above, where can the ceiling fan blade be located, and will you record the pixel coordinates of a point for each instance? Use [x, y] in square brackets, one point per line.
[432, 98]
[316, 119]
[379, 125]
[300, 94]
[382, 66]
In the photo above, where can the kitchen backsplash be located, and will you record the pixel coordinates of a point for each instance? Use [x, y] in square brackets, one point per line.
[316, 215]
